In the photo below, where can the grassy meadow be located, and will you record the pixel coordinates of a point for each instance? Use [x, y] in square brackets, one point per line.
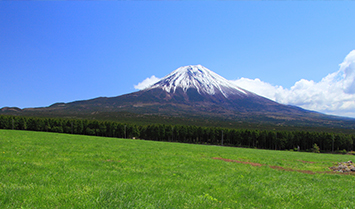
[51, 170]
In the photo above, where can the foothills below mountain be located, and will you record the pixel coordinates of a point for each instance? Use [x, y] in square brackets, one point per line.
[190, 93]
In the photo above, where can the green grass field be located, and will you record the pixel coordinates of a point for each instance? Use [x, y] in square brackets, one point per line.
[50, 170]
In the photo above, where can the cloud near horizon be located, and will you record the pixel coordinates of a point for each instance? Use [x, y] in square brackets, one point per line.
[146, 82]
[334, 94]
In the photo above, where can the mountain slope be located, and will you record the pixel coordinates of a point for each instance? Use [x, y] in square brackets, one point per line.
[190, 89]
[191, 92]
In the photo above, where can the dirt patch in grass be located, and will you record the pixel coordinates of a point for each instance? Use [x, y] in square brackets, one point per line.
[281, 168]
[290, 169]
[236, 161]
[306, 161]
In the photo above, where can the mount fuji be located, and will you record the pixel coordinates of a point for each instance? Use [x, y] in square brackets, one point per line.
[189, 92]
[201, 88]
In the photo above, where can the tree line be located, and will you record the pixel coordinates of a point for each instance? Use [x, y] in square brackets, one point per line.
[263, 139]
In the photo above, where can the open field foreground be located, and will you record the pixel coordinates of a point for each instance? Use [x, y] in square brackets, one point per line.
[50, 170]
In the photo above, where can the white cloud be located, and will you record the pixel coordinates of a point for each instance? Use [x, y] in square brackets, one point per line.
[259, 87]
[348, 67]
[334, 94]
[147, 82]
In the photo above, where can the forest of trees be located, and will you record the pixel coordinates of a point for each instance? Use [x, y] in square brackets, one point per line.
[266, 139]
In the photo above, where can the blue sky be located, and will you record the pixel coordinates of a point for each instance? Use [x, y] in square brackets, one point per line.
[65, 51]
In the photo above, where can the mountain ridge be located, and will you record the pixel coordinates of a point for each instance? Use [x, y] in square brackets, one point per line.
[189, 91]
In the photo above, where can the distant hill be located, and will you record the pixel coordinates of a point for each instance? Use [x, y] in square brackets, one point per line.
[190, 93]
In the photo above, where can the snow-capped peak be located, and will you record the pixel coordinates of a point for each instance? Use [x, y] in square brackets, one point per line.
[200, 78]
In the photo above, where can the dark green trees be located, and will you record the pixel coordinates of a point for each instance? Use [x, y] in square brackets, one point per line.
[276, 140]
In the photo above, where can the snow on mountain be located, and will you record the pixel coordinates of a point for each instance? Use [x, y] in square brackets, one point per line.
[200, 78]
